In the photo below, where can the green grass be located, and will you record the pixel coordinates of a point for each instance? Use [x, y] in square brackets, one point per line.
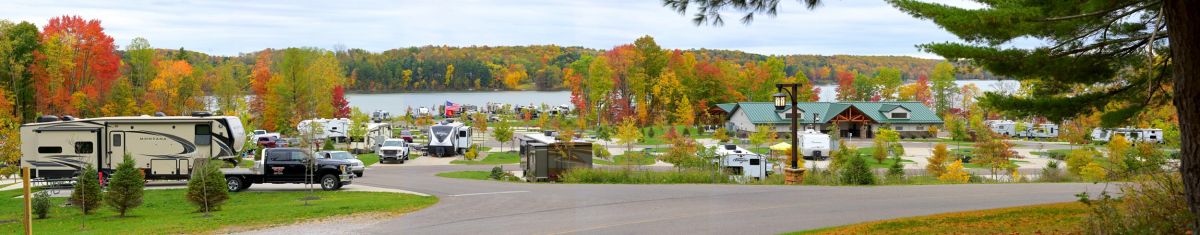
[493, 159]
[981, 166]
[369, 159]
[472, 175]
[166, 212]
[868, 154]
[948, 142]
[629, 158]
[1053, 153]
[632, 176]
[1058, 218]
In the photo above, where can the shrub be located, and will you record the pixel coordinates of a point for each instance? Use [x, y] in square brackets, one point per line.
[1151, 204]
[87, 194]
[41, 204]
[497, 173]
[328, 145]
[1093, 172]
[955, 173]
[857, 172]
[471, 154]
[1079, 158]
[1052, 173]
[207, 188]
[896, 170]
[600, 151]
[125, 190]
[937, 162]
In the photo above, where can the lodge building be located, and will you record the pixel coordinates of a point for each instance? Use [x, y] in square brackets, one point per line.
[854, 119]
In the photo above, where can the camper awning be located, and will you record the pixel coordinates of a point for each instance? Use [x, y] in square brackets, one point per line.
[781, 147]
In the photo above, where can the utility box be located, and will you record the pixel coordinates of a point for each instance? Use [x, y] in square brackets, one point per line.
[544, 158]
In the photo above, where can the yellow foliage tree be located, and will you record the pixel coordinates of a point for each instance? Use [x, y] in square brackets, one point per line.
[1118, 146]
[628, 133]
[1093, 172]
[937, 162]
[684, 115]
[955, 174]
[720, 135]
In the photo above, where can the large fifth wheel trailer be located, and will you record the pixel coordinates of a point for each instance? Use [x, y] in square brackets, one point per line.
[162, 147]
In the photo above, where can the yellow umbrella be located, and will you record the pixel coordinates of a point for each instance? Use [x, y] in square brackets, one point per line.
[781, 147]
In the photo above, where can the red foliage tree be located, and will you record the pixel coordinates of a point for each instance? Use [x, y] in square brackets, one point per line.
[845, 88]
[94, 64]
[340, 103]
[259, 78]
[923, 94]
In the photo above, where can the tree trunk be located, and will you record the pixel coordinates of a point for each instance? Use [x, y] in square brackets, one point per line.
[1182, 19]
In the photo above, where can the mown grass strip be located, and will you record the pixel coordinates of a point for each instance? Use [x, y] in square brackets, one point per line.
[1058, 218]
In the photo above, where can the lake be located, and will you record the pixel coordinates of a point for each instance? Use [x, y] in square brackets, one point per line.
[396, 103]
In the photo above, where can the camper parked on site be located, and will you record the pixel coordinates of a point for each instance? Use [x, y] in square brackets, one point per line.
[334, 129]
[448, 138]
[739, 161]
[1131, 134]
[163, 147]
[814, 144]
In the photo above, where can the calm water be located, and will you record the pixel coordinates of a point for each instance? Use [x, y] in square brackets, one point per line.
[396, 103]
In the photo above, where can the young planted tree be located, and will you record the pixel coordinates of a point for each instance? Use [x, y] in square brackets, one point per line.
[503, 133]
[628, 133]
[937, 162]
[1118, 147]
[763, 134]
[884, 144]
[720, 135]
[857, 172]
[125, 189]
[86, 194]
[206, 188]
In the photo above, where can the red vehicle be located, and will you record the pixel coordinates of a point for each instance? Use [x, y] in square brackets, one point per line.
[268, 142]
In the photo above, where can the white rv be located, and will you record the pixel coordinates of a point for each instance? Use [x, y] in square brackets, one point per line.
[1009, 128]
[380, 116]
[448, 138]
[739, 161]
[1131, 134]
[163, 147]
[814, 144]
[376, 134]
[1003, 127]
[1045, 130]
[325, 128]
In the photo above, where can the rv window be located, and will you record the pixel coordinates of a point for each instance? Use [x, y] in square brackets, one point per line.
[462, 133]
[116, 140]
[203, 134]
[49, 149]
[754, 162]
[83, 147]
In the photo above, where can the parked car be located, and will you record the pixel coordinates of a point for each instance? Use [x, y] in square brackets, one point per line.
[395, 150]
[267, 141]
[407, 136]
[289, 166]
[356, 165]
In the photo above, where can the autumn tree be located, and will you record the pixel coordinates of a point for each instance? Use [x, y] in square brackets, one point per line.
[260, 78]
[76, 57]
[18, 43]
[628, 133]
[937, 161]
[889, 81]
[942, 87]
[341, 106]
[503, 133]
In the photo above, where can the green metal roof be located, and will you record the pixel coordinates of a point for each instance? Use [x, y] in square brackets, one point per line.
[765, 113]
[728, 107]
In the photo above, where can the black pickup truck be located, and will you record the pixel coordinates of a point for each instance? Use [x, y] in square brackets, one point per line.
[290, 166]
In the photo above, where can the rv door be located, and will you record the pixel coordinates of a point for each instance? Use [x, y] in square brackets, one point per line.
[116, 147]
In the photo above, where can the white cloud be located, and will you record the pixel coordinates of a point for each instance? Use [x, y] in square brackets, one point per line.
[230, 27]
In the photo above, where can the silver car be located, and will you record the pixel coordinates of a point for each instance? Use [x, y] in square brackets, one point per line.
[356, 165]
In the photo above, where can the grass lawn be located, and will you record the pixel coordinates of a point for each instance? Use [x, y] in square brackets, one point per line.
[948, 142]
[1058, 218]
[660, 132]
[629, 158]
[1053, 153]
[493, 159]
[369, 158]
[981, 166]
[867, 153]
[166, 212]
[472, 175]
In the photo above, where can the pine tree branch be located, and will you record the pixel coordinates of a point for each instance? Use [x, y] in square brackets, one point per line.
[1102, 12]
[1106, 43]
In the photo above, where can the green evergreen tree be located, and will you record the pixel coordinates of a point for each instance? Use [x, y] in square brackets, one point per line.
[41, 204]
[857, 172]
[328, 145]
[896, 170]
[206, 188]
[87, 194]
[125, 189]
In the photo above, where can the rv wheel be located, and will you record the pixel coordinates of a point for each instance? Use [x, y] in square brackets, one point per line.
[330, 182]
[235, 183]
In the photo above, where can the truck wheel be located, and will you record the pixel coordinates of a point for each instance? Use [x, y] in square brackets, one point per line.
[330, 182]
[235, 183]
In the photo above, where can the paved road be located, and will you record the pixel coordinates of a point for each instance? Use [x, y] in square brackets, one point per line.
[485, 207]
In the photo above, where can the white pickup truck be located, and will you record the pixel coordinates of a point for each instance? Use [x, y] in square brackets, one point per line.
[395, 150]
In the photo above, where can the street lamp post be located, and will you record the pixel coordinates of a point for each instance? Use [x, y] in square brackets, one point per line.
[795, 174]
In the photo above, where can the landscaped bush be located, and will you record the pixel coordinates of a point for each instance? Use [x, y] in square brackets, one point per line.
[87, 194]
[1052, 173]
[207, 188]
[125, 190]
[955, 174]
[41, 204]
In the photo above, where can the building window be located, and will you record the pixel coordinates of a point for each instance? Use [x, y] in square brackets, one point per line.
[899, 128]
[84, 147]
[899, 115]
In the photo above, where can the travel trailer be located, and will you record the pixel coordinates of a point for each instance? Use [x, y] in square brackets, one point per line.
[369, 141]
[1131, 134]
[545, 158]
[1009, 128]
[163, 147]
[739, 161]
[448, 138]
[335, 129]
[814, 144]
[379, 116]
[1045, 130]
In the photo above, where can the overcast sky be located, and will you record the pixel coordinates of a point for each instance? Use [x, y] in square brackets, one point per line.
[855, 27]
